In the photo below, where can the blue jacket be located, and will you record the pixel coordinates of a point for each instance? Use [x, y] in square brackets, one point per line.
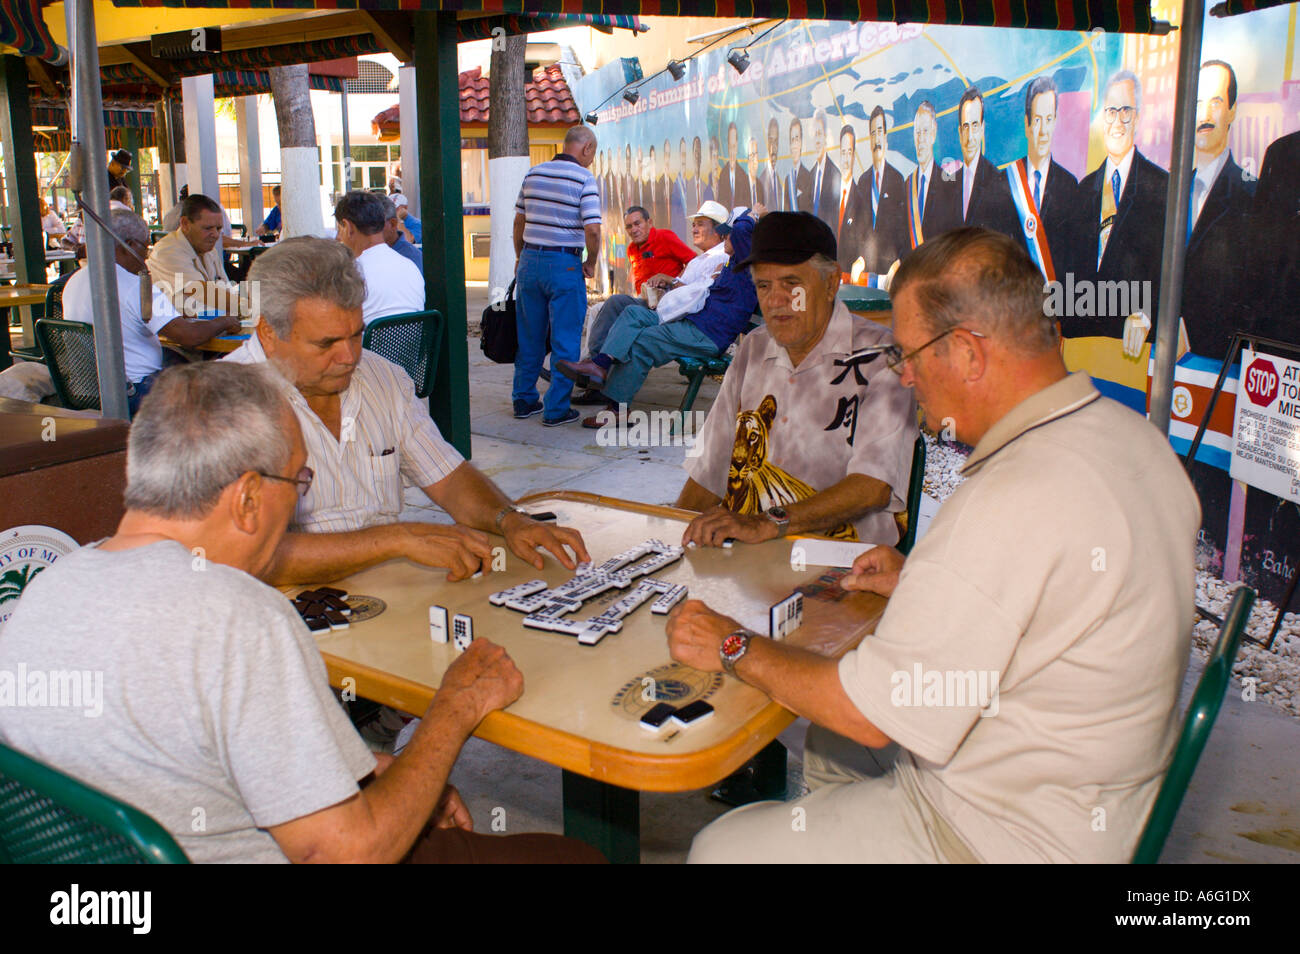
[732, 300]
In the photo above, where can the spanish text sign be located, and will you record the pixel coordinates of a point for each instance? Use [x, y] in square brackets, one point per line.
[1266, 436]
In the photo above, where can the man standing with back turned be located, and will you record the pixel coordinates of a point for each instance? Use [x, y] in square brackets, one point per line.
[556, 215]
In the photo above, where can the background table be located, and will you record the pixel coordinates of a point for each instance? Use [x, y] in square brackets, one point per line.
[581, 705]
[21, 297]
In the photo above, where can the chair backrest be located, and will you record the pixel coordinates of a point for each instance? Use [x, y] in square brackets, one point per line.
[1201, 713]
[155, 235]
[413, 341]
[69, 349]
[47, 817]
[914, 495]
[54, 296]
[241, 229]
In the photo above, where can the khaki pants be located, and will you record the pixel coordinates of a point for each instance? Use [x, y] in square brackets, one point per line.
[865, 806]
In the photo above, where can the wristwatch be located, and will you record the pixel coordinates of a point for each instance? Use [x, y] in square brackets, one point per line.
[733, 648]
[780, 517]
[503, 512]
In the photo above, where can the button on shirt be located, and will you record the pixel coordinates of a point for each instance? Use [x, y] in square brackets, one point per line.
[141, 351]
[1060, 575]
[386, 437]
[394, 286]
[802, 430]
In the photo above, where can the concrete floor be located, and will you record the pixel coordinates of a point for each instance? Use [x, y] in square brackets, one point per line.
[1243, 804]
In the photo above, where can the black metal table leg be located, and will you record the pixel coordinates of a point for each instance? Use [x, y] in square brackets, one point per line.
[604, 816]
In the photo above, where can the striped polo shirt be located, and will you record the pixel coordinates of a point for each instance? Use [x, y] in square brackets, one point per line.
[557, 199]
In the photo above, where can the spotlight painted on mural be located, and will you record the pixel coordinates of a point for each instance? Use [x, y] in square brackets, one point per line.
[631, 96]
[677, 69]
[739, 59]
[591, 119]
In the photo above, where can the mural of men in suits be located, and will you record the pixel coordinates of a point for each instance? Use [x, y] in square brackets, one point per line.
[1043, 191]
[985, 197]
[848, 202]
[882, 220]
[752, 161]
[1121, 212]
[679, 201]
[769, 186]
[799, 181]
[1277, 217]
[733, 184]
[1216, 295]
[696, 196]
[928, 203]
[712, 183]
[823, 194]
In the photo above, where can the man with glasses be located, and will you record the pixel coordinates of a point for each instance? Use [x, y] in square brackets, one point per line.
[367, 435]
[142, 353]
[810, 433]
[1028, 663]
[1120, 222]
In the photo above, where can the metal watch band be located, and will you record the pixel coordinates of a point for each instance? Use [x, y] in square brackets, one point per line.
[729, 660]
[501, 514]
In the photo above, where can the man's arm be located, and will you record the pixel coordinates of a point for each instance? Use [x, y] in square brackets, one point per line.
[313, 557]
[189, 333]
[592, 233]
[519, 235]
[843, 502]
[694, 497]
[805, 683]
[381, 822]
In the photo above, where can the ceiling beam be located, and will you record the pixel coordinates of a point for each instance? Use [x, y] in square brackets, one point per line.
[36, 69]
[386, 28]
[137, 56]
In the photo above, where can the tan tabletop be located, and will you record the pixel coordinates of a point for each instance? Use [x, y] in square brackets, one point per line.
[581, 705]
[15, 295]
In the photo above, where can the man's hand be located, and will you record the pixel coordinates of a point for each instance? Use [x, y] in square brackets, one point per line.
[463, 551]
[589, 268]
[451, 811]
[695, 635]
[718, 523]
[660, 280]
[524, 535]
[1136, 327]
[483, 679]
[875, 571]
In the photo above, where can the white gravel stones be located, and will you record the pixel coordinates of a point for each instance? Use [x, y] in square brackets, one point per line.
[943, 463]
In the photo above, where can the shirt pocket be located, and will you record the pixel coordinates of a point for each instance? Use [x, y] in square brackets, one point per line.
[385, 472]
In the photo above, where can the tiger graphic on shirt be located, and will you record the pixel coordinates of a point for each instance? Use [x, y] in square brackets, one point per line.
[754, 484]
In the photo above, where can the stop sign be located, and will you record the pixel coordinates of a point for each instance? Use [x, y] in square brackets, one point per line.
[1261, 382]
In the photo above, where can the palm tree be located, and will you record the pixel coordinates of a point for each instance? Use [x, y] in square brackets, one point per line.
[15, 581]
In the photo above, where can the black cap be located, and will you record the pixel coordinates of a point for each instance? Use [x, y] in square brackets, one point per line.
[122, 158]
[790, 238]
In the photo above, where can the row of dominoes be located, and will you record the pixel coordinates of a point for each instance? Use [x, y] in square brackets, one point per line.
[462, 628]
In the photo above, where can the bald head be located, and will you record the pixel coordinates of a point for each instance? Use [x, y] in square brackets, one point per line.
[580, 143]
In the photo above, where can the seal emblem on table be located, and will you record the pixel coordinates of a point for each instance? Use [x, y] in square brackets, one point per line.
[365, 607]
[672, 683]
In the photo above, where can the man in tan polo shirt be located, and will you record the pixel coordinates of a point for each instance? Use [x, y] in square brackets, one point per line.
[1029, 661]
[186, 263]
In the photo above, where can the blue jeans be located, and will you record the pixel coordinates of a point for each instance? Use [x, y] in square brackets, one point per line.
[614, 306]
[136, 391]
[552, 293]
[638, 343]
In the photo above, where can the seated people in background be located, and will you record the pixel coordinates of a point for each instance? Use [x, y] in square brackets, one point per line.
[639, 340]
[811, 432]
[271, 224]
[1078, 671]
[215, 465]
[394, 286]
[172, 219]
[121, 198]
[310, 330]
[677, 293]
[141, 351]
[652, 251]
[187, 263]
[395, 239]
[51, 224]
[407, 222]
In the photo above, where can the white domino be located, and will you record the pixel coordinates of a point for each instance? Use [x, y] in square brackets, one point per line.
[669, 599]
[519, 592]
[462, 632]
[591, 635]
[438, 624]
[786, 616]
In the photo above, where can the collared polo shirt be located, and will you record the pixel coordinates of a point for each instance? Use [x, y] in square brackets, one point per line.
[662, 253]
[1030, 658]
[777, 434]
[387, 436]
[557, 200]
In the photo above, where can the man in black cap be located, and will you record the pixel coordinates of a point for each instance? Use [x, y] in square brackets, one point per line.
[811, 432]
[119, 164]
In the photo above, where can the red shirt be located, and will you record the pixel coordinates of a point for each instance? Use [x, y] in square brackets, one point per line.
[662, 253]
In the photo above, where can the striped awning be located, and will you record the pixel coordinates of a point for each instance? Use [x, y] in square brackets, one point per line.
[1230, 8]
[22, 27]
[118, 121]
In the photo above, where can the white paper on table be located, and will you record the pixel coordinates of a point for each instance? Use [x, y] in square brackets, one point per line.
[812, 552]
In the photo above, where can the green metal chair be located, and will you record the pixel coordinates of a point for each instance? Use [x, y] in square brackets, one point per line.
[155, 235]
[47, 817]
[54, 296]
[914, 486]
[412, 341]
[241, 229]
[1201, 714]
[69, 349]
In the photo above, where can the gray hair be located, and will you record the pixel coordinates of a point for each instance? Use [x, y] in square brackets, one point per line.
[579, 136]
[200, 428]
[826, 267]
[304, 267]
[390, 207]
[128, 226]
[1131, 77]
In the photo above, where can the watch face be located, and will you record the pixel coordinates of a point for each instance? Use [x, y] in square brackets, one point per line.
[732, 644]
[778, 512]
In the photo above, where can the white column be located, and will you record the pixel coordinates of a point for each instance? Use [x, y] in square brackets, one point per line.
[410, 135]
[250, 160]
[200, 135]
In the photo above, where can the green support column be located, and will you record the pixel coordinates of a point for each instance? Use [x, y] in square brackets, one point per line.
[441, 213]
[131, 143]
[20, 173]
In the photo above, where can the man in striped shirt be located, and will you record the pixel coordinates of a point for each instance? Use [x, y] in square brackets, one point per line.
[365, 432]
[556, 215]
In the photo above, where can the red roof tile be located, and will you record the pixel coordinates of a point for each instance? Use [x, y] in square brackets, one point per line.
[547, 99]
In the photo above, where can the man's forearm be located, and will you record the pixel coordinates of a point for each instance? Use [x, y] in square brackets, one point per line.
[470, 498]
[519, 235]
[189, 333]
[838, 504]
[318, 557]
[808, 685]
[592, 234]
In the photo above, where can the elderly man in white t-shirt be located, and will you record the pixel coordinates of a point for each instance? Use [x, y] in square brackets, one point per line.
[394, 286]
[142, 352]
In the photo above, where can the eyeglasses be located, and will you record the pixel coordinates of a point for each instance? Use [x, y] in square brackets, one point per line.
[1124, 114]
[895, 358]
[303, 480]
